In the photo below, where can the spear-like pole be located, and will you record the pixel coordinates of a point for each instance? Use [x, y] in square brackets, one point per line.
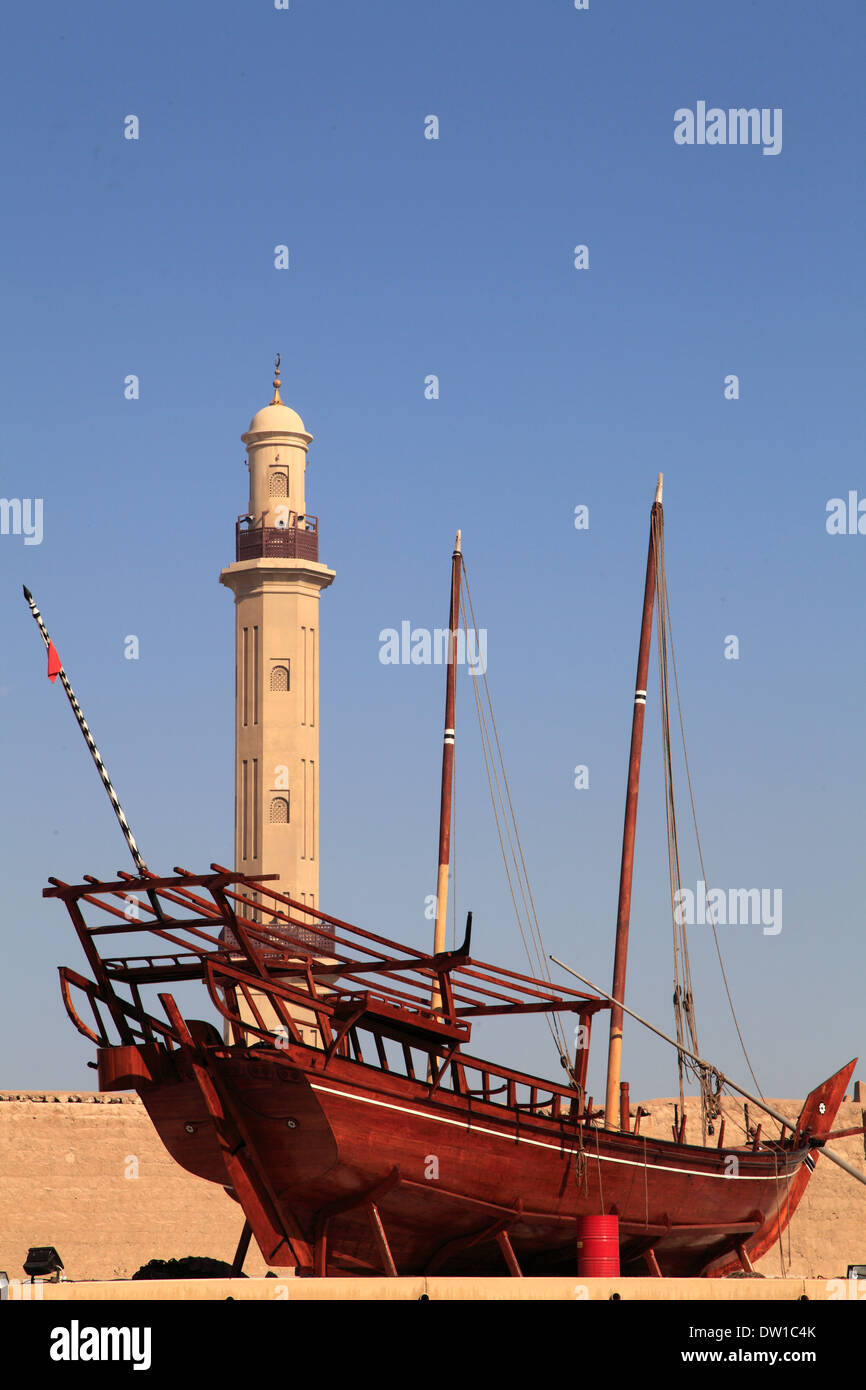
[55, 668]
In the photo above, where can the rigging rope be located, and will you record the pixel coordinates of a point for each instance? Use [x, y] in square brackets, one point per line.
[683, 999]
[683, 993]
[507, 832]
[517, 875]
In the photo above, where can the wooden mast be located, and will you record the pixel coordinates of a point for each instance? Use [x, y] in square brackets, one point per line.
[614, 1056]
[447, 757]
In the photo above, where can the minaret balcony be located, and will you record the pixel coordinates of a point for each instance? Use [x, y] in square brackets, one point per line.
[299, 541]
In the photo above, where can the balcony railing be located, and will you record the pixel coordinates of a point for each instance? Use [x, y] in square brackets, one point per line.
[298, 542]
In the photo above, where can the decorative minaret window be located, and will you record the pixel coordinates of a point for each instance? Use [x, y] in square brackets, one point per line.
[279, 810]
[280, 677]
[279, 485]
[248, 672]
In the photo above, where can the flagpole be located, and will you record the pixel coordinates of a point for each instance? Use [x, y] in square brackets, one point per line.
[94, 751]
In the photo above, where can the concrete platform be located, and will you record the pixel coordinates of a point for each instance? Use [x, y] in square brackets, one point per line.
[442, 1289]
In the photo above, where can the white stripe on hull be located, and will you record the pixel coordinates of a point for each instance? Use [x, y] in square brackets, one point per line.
[541, 1143]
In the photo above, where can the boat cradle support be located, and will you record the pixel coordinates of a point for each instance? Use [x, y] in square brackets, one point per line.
[496, 1230]
[274, 1225]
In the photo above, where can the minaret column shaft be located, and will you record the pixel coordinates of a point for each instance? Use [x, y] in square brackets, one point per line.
[277, 721]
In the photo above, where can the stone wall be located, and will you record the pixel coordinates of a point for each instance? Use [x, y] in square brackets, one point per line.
[88, 1174]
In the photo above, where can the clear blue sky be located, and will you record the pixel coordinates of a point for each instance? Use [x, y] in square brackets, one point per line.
[452, 257]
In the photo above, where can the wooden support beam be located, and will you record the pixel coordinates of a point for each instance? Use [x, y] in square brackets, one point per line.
[508, 1254]
[320, 1247]
[743, 1256]
[492, 1231]
[275, 1228]
[624, 1117]
[241, 1252]
[381, 1240]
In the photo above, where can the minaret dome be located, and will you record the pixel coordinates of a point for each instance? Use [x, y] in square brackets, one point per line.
[277, 444]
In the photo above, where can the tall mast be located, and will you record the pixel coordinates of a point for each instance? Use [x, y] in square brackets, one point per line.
[614, 1056]
[448, 754]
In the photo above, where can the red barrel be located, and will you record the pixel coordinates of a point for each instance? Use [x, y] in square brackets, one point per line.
[598, 1246]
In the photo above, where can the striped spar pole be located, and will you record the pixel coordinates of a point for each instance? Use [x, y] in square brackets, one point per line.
[623, 915]
[445, 801]
[55, 669]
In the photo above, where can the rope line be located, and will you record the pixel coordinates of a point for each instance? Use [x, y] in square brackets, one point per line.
[508, 834]
[704, 877]
[683, 998]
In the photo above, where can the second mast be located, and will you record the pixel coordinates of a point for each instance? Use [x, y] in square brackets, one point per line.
[614, 1057]
[448, 753]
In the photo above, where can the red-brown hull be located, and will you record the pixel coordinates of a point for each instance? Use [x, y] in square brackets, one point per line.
[448, 1171]
[432, 1158]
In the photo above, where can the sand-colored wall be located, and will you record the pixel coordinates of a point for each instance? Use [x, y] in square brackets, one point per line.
[68, 1165]
[87, 1173]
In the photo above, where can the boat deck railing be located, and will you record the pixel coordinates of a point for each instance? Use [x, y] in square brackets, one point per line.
[268, 961]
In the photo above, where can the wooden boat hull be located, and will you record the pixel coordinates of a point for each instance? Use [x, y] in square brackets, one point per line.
[445, 1174]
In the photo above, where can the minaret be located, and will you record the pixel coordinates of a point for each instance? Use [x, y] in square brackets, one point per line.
[276, 580]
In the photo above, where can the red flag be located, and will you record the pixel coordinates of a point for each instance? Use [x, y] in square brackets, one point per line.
[55, 665]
